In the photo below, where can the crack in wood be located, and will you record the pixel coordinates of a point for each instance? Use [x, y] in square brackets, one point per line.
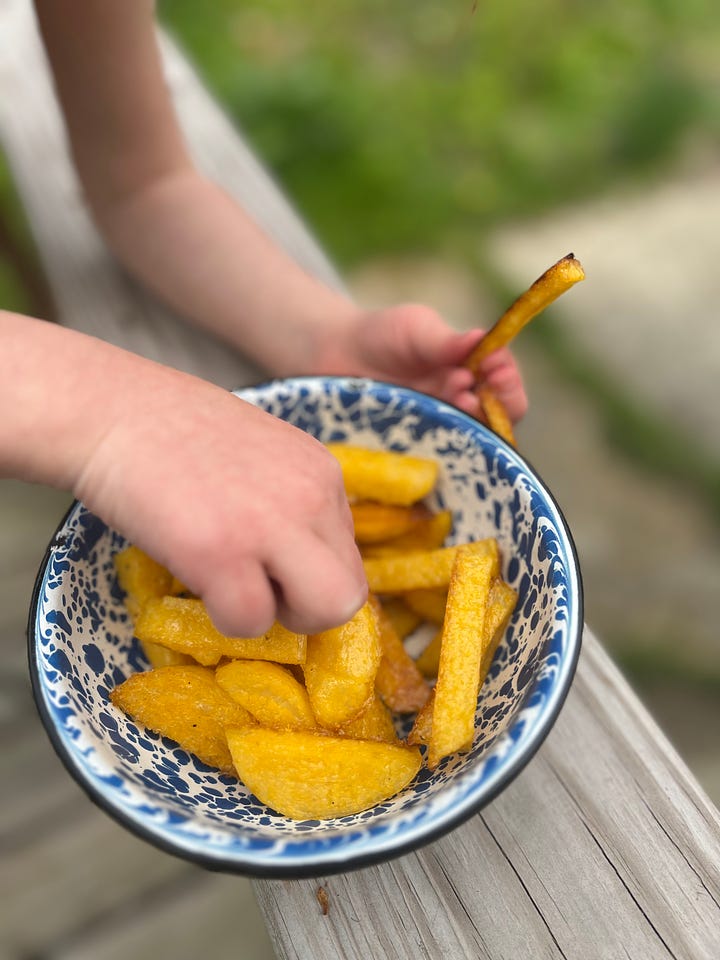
[526, 889]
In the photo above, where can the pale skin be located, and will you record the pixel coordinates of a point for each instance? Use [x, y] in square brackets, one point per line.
[179, 466]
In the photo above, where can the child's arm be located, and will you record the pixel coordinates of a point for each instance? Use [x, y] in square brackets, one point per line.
[188, 472]
[192, 244]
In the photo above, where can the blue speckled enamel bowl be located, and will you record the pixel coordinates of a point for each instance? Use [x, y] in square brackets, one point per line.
[81, 645]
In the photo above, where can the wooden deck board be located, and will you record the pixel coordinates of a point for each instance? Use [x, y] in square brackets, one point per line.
[605, 846]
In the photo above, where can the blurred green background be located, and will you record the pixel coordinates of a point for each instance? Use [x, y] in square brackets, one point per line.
[415, 128]
[450, 116]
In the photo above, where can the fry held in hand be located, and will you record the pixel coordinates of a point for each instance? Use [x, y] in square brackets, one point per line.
[547, 288]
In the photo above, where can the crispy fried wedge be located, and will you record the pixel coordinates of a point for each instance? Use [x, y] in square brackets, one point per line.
[310, 776]
[374, 723]
[428, 534]
[141, 577]
[269, 692]
[430, 603]
[417, 571]
[340, 668]
[184, 625]
[375, 522]
[458, 683]
[398, 679]
[383, 475]
[429, 660]
[403, 619]
[187, 705]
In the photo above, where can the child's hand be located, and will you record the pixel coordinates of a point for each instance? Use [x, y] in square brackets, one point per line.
[412, 345]
[247, 511]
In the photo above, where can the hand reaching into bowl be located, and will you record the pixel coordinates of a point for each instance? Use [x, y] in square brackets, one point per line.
[249, 512]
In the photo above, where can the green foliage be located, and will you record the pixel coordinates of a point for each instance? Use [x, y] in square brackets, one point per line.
[415, 124]
[13, 295]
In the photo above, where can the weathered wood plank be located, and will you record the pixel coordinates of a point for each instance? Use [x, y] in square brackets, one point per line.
[604, 847]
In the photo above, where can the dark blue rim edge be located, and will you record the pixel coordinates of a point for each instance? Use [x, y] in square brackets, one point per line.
[360, 860]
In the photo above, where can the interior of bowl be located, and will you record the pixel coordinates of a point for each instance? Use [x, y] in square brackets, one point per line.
[81, 646]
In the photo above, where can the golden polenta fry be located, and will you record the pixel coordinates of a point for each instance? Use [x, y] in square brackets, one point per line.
[187, 705]
[383, 475]
[403, 619]
[417, 571]
[374, 522]
[458, 682]
[429, 603]
[422, 727]
[429, 660]
[374, 723]
[428, 534]
[141, 578]
[159, 656]
[556, 280]
[398, 679]
[184, 625]
[501, 603]
[269, 692]
[496, 414]
[340, 668]
[311, 776]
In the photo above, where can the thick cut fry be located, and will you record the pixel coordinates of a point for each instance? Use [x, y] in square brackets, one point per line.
[187, 705]
[501, 603]
[383, 475]
[552, 284]
[430, 603]
[184, 625]
[398, 680]
[309, 776]
[375, 522]
[340, 668]
[403, 619]
[428, 534]
[461, 652]
[269, 692]
[422, 727]
[141, 577]
[496, 414]
[417, 571]
[159, 656]
[374, 723]
[429, 660]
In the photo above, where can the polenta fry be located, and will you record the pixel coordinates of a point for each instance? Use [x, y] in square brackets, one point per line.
[496, 415]
[552, 284]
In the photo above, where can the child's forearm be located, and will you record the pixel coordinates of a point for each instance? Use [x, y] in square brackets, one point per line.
[59, 391]
[191, 243]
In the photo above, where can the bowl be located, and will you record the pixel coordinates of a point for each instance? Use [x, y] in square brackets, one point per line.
[81, 645]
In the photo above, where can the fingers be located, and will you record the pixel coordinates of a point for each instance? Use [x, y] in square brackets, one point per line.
[502, 374]
[241, 600]
[318, 587]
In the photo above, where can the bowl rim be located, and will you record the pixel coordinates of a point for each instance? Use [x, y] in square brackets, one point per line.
[325, 862]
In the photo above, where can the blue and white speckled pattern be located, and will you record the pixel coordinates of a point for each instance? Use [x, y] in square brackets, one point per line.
[82, 646]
